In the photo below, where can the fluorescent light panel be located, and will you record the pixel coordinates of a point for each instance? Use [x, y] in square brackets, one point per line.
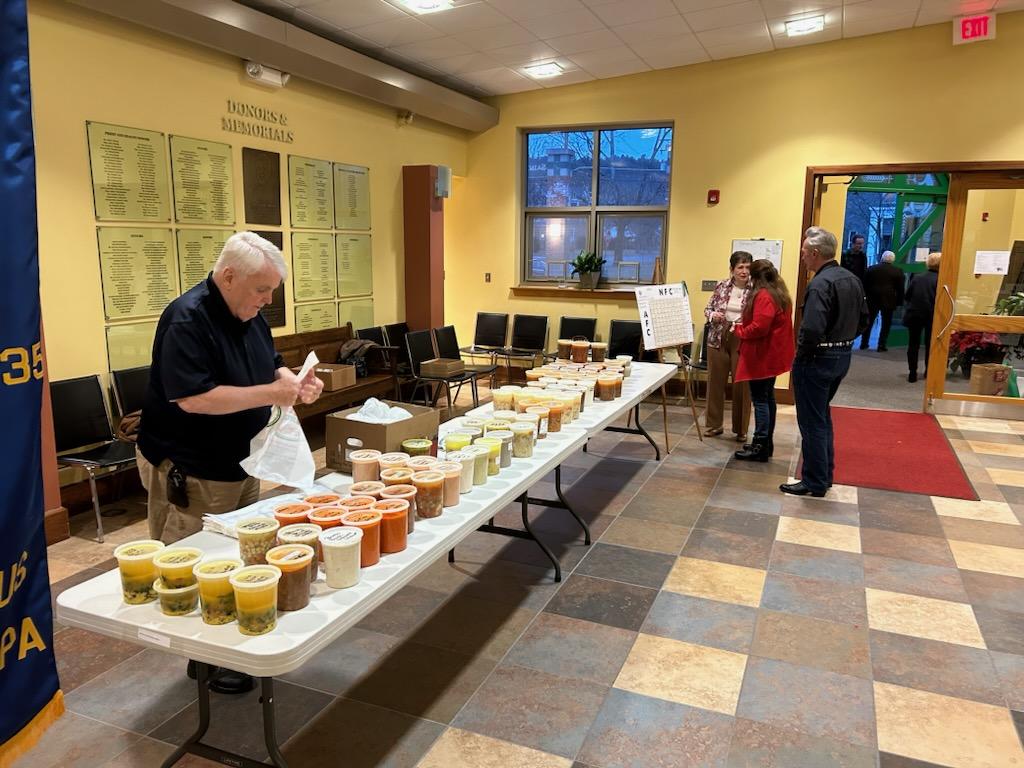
[807, 26]
[546, 69]
[427, 6]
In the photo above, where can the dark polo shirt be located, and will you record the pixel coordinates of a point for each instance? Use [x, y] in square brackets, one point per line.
[200, 345]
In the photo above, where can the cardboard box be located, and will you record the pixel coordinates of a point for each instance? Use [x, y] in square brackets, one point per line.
[442, 367]
[334, 375]
[989, 379]
[345, 436]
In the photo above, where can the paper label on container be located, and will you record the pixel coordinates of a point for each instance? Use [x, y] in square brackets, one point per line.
[148, 636]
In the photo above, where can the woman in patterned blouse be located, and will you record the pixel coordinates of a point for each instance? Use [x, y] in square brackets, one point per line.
[724, 308]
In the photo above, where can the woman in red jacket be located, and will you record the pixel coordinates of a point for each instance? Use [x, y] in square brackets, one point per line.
[766, 350]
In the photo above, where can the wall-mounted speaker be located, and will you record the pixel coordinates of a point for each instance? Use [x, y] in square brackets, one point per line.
[443, 185]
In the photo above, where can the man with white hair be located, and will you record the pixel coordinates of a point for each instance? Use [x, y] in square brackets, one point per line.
[833, 315]
[883, 286]
[212, 382]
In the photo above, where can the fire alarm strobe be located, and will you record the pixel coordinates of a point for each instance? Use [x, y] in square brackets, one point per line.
[713, 196]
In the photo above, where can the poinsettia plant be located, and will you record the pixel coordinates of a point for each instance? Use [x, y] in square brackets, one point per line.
[969, 347]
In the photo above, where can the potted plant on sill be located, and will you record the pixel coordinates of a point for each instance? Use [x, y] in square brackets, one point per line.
[969, 347]
[587, 265]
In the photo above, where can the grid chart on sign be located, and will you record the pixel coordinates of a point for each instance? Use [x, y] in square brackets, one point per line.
[665, 316]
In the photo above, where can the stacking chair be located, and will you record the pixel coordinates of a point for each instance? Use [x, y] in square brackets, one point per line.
[625, 337]
[130, 385]
[421, 348]
[84, 438]
[529, 338]
[489, 335]
[447, 343]
[394, 334]
[574, 327]
[375, 334]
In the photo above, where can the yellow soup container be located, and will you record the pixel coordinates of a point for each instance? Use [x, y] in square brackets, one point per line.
[138, 572]
[216, 597]
[175, 565]
[255, 589]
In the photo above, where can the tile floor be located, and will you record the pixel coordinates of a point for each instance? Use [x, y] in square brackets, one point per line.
[714, 622]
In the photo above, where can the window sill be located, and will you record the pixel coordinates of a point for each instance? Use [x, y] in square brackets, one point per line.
[572, 294]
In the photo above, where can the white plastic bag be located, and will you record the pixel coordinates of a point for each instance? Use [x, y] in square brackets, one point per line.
[280, 452]
[376, 412]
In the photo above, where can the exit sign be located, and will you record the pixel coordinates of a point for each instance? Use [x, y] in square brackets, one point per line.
[970, 29]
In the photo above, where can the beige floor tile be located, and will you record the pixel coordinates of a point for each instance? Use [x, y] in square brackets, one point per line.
[847, 494]
[926, 617]
[948, 422]
[457, 747]
[716, 581]
[695, 675]
[944, 730]
[986, 511]
[997, 449]
[982, 425]
[1014, 477]
[987, 558]
[814, 533]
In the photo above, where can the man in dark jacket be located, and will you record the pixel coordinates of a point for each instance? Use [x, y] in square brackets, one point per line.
[883, 286]
[855, 260]
[918, 315]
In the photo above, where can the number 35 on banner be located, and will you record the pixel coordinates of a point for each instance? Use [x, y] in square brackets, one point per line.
[19, 367]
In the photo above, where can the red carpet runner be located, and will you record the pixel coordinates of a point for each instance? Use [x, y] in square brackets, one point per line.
[896, 451]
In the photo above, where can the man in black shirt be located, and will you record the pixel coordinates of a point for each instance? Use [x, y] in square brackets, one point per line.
[213, 380]
[834, 314]
[856, 260]
[883, 286]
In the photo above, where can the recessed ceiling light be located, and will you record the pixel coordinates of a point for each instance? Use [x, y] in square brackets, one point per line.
[547, 69]
[427, 6]
[805, 26]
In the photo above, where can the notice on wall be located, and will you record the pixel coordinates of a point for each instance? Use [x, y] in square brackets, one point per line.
[351, 196]
[203, 176]
[359, 312]
[314, 271]
[991, 262]
[137, 269]
[261, 186]
[274, 312]
[198, 250]
[921, 255]
[355, 265]
[761, 249]
[665, 318]
[129, 173]
[311, 192]
[130, 345]
[316, 317]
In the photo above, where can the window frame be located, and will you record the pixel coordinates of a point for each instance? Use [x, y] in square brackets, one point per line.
[594, 211]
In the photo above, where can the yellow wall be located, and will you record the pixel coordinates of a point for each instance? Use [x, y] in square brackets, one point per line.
[86, 67]
[749, 127]
[977, 294]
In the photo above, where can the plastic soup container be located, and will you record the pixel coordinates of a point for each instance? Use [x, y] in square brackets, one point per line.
[396, 476]
[605, 388]
[295, 512]
[304, 533]
[175, 566]
[508, 416]
[542, 414]
[392, 460]
[452, 471]
[255, 589]
[257, 535]
[297, 564]
[564, 349]
[341, 547]
[598, 350]
[502, 400]
[522, 440]
[367, 488]
[492, 444]
[579, 351]
[408, 492]
[505, 435]
[429, 493]
[394, 530]
[322, 499]
[465, 461]
[421, 463]
[417, 446]
[480, 455]
[216, 597]
[369, 523]
[365, 465]
[355, 503]
[327, 517]
[456, 441]
[138, 572]
[176, 601]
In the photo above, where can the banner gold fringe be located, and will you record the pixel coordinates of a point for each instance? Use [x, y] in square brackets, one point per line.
[27, 737]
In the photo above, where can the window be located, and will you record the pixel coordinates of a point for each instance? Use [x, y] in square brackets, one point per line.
[613, 200]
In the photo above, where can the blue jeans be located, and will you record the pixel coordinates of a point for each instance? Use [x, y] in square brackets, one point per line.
[762, 399]
[815, 383]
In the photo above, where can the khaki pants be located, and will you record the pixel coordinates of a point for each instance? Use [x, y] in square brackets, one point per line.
[168, 522]
[721, 367]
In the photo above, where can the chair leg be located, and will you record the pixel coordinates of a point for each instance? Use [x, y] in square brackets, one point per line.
[95, 503]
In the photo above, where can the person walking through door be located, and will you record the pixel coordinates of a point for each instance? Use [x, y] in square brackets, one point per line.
[725, 307]
[883, 286]
[918, 315]
[855, 260]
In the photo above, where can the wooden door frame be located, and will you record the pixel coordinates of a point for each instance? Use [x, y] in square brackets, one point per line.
[812, 205]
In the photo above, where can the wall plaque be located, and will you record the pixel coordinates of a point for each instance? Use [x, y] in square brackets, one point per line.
[355, 265]
[204, 182]
[351, 196]
[311, 192]
[314, 271]
[137, 269]
[129, 173]
[261, 186]
[316, 317]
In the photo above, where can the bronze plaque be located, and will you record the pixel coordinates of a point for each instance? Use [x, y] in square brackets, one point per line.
[261, 186]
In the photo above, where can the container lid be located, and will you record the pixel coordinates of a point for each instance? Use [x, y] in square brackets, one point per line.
[476, 450]
[394, 456]
[178, 556]
[449, 468]
[536, 410]
[504, 415]
[399, 491]
[255, 577]
[215, 569]
[355, 502]
[522, 426]
[421, 462]
[396, 473]
[298, 532]
[341, 537]
[321, 499]
[366, 487]
[325, 514]
[600, 344]
[291, 557]
[416, 442]
[489, 440]
[501, 434]
[364, 454]
[581, 343]
[362, 517]
[391, 508]
[294, 507]
[430, 476]
[532, 414]
[257, 525]
[162, 589]
[137, 550]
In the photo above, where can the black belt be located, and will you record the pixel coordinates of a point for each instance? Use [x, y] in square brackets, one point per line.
[836, 343]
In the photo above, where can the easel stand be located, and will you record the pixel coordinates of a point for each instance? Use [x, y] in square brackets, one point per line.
[688, 384]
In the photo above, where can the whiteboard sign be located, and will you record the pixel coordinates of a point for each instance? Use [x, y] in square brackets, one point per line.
[665, 317]
[761, 249]
[991, 262]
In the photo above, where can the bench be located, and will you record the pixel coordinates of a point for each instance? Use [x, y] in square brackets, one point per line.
[382, 380]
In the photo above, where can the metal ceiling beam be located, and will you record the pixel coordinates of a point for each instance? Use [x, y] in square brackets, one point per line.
[249, 34]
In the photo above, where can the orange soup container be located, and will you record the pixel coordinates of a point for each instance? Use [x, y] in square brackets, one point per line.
[534, 374]
[327, 517]
[365, 465]
[605, 388]
[396, 476]
[421, 463]
[543, 413]
[297, 563]
[555, 410]
[367, 488]
[579, 351]
[368, 521]
[356, 503]
[429, 494]
[394, 530]
[452, 471]
[564, 349]
[293, 513]
[392, 460]
[407, 492]
[322, 499]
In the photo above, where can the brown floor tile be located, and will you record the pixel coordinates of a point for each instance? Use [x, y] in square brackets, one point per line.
[344, 662]
[839, 648]
[734, 477]
[147, 753]
[724, 547]
[820, 509]
[633, 566]
[77, 742]
[602, 601]
[744, 500]
[82, 655]
[887, 760]
[981, 532]
[893, 501]
[994, 591]
[1010, 670]
[733, 521]
[457, 747]
[811, 597]
[473, 627]
[534, 709]
[921, 549]
[703, 622]
[634, 731]
[444, 681]
[560, 645]
[403, 612]
[646, 534]
[1002, 630]
[952, 670]
[59, 569]
[817, 563]
[810, 701]
[682, 507]
[918, 522]
[914, 578]
[758, 745]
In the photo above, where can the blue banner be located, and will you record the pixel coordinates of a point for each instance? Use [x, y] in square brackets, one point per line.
[29, 690]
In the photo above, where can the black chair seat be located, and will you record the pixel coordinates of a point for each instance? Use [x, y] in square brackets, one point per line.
[480, 370]
[109, 455]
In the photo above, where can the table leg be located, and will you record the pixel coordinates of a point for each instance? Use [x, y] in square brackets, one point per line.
[638, 431]
[565, 504]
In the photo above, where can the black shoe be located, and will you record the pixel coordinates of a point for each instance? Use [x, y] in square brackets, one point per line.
[864, 346]
[883, 349]
[912, 377]
[229, 682]
[758, 451]
[799, 489]
[771, 446]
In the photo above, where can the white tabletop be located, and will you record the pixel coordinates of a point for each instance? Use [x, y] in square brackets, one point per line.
[96, 605]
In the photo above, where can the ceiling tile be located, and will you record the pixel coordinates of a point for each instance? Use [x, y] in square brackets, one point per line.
[675, 58]
[588, 59]
[438, 48]
[833, 19]
[874, 25]
[741, 33]
[562, 24]
[519, 54]
[522, 10]
[629, 11]
[745, 48]
[352, 13]
[873, 9]
[465, 18]
[466, 62]
[496, 37]
[727, 16]
[936, 11]
[618, 68]
[671, 26]
[395, 32]
[685, 6]
[835, 32]
[500, 80]
[567, 78]
[585, 41]
[683, 43]
[777, 9]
